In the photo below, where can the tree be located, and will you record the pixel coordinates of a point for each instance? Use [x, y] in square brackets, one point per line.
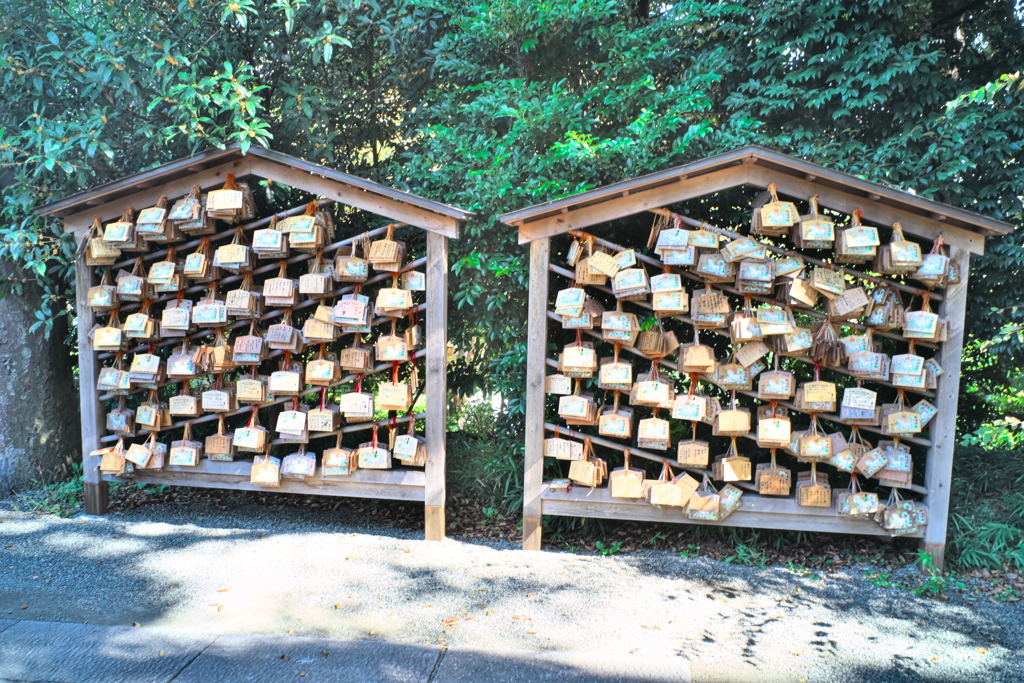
[493, 106]
[537, 102]
[923, 96]
[95, 90]
[107, 96]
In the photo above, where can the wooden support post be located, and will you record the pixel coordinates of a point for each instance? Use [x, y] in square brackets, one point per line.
[939, 468]
[437, 384]
[536, 357]
[92, 416]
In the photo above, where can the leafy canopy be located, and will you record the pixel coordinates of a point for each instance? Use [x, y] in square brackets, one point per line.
[493, 106]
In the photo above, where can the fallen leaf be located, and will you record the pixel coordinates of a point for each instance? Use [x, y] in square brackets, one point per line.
[445, 631]
[220, 608]
[449, 620]
[529, 594]
[337, 606]
[223, 590]
[408, 550]
[162, 653]
[468, 618]
[372, 632]
[490, 614]
[351, 557]
[981, 651]
[515, 616]
[291, 630]
[532, 633]
[24, 607]
[134, 623]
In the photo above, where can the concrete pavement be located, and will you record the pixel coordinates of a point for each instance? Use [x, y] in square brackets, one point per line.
[287, 573]
[54, 652]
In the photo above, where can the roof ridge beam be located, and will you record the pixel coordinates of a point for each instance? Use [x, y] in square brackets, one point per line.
[357, 197]
[638, 202]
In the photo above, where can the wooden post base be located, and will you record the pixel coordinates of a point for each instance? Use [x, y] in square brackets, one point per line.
[96, 499]
[434, 522]
[937, 551]
[532, 531]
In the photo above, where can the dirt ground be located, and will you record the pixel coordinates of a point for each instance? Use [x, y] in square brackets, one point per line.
[345, 573]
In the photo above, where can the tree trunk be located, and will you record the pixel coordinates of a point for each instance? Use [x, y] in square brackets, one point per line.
[39, 418]
[642, 11]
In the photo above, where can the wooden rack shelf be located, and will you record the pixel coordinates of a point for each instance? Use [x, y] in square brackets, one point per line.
[393, 484]
[732, 290]
[845, 270]
[831, 417]
[578, 215]
[758, 512]
[225, 234]
[273, 313]
[686, 319]
[403, 210]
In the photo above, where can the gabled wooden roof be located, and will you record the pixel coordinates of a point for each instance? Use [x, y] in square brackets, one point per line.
[208, 169]
[757, 166]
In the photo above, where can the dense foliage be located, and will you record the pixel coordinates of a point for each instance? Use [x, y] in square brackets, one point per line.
[494, 106]
[95, 89]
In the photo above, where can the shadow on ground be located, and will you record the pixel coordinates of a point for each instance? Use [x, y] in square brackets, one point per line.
[294, 572]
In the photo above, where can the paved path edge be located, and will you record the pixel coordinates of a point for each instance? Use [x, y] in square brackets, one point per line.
[30, 653]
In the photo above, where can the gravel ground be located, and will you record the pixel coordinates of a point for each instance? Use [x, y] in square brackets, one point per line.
[319, 573]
